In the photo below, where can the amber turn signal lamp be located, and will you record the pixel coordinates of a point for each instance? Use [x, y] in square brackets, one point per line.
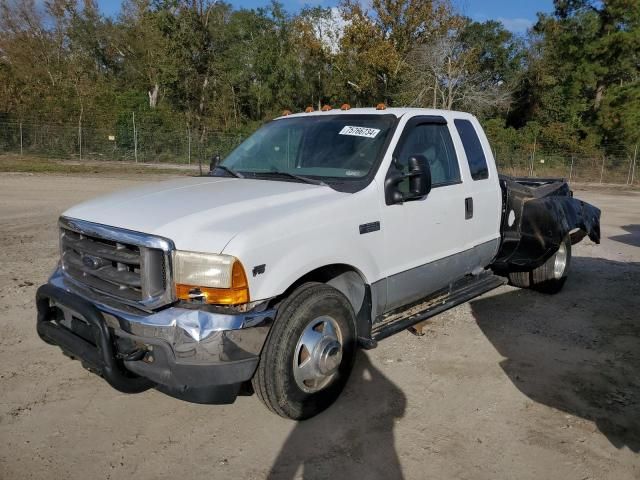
[308, 109]
[237, 294]
[381, 106]
[326, 108]
[345, 106]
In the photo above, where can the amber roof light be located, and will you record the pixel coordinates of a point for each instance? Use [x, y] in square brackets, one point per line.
[381, 106]
[309, 109]
[286, 112]
[326, 108]
[345, 106]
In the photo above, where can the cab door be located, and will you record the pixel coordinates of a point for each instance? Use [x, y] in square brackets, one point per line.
[425, 239]
[484, 196]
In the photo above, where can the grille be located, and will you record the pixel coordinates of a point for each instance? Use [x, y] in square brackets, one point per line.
[127, 271]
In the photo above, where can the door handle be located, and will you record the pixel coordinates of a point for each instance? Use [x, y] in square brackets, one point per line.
[468, 208]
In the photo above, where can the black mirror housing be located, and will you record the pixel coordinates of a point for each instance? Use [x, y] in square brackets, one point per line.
[419, 176]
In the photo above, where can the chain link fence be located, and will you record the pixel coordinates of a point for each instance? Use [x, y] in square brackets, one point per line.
[128, 143]
[146, 142]
[616, 165]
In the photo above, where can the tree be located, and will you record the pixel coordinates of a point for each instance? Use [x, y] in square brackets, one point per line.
[588, 53]
[407, 23]
[204, 66]
[496, 50]
[374, 47]
[455, 70]
[316, 35]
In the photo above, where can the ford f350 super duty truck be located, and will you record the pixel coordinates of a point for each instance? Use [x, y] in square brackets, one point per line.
[321, 233]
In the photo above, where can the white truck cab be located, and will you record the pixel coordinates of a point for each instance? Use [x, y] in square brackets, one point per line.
[321, 232]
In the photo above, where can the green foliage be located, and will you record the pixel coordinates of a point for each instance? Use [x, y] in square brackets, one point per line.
[497, 50]
[200, 67]
[583, 71]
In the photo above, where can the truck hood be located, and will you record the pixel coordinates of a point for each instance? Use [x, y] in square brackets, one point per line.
[202, 213]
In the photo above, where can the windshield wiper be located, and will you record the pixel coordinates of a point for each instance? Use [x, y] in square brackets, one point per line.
[312, 181]
[229, 171]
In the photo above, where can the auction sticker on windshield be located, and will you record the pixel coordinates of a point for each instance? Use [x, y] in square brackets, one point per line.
[360, 131]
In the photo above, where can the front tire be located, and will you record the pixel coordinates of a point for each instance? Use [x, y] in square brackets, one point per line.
[551, 275]
[309, 353]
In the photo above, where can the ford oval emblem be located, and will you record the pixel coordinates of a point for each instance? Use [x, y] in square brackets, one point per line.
[91, 262]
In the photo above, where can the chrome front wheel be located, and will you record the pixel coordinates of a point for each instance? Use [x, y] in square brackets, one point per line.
[309, 352]
[318, 354]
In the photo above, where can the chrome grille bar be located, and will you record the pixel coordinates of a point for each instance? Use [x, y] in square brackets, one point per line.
[132, 267]
[92, 247]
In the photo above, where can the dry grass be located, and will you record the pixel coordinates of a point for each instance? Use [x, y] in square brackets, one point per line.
[29, 164]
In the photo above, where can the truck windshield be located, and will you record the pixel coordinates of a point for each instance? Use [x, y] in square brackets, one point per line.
[327, 147]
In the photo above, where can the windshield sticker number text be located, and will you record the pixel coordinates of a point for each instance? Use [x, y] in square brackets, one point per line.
[359, 131]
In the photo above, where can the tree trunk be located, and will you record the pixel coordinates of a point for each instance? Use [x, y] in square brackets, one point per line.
[435, 91]
[153, 96]
[80, 130]
[204, 87]
[235, 112]
[450, 85]
[599, 96]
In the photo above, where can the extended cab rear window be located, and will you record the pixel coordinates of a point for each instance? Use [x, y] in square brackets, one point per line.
[473, 149]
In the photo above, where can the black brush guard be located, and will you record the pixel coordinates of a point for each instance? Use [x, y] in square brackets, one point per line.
[99, 356]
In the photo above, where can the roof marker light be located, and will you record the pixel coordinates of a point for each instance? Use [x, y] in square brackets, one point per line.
[326, 108]
[381, 106]
[286, 112]
[345, 106]
[309, 109]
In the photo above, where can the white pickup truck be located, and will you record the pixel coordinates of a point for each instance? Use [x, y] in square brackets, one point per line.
[322, 232]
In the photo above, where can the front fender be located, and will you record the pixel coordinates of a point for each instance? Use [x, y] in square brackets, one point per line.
[284, 265]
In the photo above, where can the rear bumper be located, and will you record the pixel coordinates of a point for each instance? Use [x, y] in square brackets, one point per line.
[194, 355]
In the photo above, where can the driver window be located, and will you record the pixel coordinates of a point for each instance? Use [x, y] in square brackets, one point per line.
[433, 141]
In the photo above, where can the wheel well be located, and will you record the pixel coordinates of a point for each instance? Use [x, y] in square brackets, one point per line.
[347, 280]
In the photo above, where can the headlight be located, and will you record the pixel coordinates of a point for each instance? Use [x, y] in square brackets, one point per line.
[210, 278]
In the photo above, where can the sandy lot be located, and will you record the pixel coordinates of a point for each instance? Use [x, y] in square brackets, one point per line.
[512, 385]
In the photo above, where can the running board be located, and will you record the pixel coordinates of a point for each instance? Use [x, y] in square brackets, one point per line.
[459, 292]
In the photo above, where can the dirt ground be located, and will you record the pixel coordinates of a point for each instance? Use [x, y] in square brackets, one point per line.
[513, 385]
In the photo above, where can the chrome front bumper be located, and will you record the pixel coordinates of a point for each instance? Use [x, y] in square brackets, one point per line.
[193, 354]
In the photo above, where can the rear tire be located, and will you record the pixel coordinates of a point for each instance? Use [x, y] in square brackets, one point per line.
[309, 353]
[548, 277]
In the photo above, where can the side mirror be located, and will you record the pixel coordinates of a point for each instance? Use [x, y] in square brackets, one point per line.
[419, 176]
[215, 161]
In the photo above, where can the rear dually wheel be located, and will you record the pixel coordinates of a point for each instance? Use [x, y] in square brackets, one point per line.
[551, 275]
